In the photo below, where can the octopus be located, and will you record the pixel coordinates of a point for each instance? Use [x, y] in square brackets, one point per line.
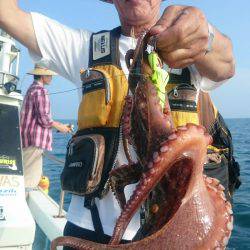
[182, 208]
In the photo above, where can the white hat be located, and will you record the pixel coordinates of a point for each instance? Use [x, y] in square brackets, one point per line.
[41, 71]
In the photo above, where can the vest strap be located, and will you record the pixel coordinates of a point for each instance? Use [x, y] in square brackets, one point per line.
[104, 48]
[90, 204]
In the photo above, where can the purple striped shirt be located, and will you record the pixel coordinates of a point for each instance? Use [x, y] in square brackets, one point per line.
[36, 121]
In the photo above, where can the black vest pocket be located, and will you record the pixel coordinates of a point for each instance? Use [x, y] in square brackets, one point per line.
[84, 164]
[91, 154]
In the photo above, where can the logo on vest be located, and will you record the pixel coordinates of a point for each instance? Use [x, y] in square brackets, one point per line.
[175, 71]
[101, 45]
[75, 164]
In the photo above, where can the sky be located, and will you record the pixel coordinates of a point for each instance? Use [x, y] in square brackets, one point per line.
[230, 17]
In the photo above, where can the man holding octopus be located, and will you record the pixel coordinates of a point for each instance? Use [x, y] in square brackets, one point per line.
[184, 38]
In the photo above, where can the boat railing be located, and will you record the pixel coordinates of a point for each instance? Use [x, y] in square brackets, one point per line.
[4, 77]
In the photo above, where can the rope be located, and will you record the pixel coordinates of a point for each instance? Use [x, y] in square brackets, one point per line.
[54, 158]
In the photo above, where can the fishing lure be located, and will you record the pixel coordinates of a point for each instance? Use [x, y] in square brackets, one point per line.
[159, 76]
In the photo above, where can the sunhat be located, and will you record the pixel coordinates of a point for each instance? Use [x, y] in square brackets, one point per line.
[41, 71]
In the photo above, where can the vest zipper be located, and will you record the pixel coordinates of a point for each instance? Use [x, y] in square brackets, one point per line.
[181, 87]
[106, 83]
[105, 189]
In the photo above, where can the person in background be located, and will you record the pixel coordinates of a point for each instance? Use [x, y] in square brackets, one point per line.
[185, 38]
[37, 124]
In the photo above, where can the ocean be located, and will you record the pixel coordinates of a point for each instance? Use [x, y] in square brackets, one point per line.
[240, 129]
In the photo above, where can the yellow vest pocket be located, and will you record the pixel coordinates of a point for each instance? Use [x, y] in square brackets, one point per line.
[104, 90]
[96, 103]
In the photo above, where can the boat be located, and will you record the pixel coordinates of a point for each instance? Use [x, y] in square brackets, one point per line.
[29, 219]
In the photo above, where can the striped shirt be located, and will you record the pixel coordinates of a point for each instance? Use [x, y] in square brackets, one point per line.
[36, 121]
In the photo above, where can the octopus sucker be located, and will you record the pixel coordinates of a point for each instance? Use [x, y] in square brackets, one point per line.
[182, 128]
[164, 149]
[172, 137]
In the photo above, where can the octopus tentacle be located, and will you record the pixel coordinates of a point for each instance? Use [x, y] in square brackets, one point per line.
[126, 124]
[121, 177]
[177, 143]
[68, 241]
[225, 212]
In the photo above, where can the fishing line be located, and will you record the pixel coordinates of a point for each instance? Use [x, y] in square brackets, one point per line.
[108, 78]
[64, 91]
[74, 89]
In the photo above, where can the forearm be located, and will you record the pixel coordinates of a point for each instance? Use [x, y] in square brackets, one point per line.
[217, 65]
[63, 128]
[18, 24]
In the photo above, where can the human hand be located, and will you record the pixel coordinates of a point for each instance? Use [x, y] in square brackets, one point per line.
[67, 128]
[63, 128]
[181, 35]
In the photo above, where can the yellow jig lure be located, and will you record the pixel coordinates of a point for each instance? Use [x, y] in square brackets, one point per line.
[159, 76]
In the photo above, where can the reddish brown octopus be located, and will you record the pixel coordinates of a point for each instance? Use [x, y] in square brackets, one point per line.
[183, 208]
